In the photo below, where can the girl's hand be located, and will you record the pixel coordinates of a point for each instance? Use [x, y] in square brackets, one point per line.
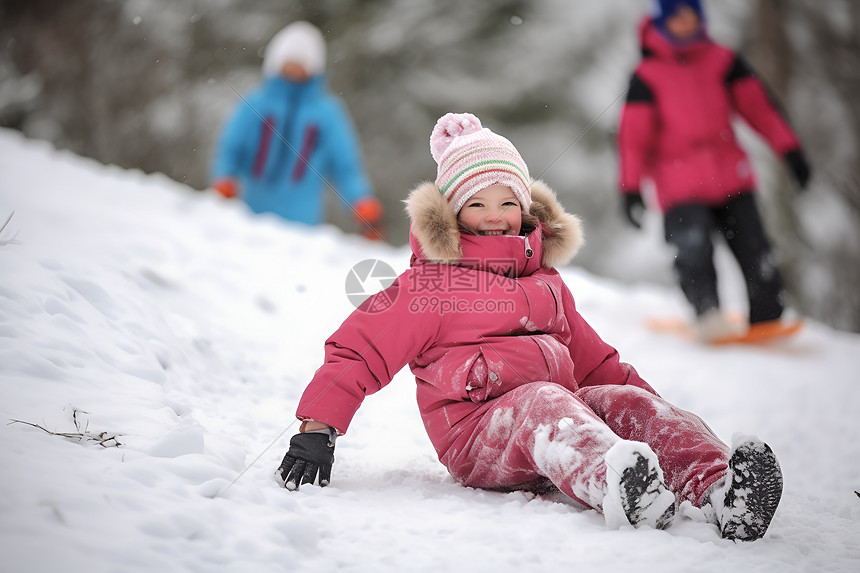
[308, 460]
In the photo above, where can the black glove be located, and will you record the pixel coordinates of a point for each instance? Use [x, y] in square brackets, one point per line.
[310, 453]
[634, 208]
[799, 166]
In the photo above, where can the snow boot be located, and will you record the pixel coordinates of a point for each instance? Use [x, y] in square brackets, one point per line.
[635, 486]
[713, 327]
[747, 501]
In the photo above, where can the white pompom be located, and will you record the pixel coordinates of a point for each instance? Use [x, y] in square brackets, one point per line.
[448, 127]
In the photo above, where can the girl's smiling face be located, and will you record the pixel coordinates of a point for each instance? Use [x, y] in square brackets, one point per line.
[494, 210]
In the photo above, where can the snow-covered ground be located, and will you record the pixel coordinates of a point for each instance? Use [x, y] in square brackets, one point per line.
[136, 311]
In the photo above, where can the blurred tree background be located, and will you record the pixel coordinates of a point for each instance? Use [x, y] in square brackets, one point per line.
[147, 84]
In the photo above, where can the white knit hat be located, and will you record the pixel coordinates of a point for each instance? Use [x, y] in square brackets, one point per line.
[300, 42]
[470, 157]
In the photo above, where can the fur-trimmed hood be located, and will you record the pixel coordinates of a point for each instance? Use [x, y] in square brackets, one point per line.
[434, 227]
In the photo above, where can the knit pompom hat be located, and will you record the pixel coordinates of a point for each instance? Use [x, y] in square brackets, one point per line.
[470, 157]
[667, 8]
[299, 42]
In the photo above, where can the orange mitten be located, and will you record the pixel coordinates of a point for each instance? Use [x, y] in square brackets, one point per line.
[368, 215]
[227, 187]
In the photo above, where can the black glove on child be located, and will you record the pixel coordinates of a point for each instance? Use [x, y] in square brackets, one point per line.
[799, 166]
[310, 453]
[634, 208]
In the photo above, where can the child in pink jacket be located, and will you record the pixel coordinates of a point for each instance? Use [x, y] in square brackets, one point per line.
[516, 390]
[677, 131]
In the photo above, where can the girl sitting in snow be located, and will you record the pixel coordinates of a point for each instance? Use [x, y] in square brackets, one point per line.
[515, 389]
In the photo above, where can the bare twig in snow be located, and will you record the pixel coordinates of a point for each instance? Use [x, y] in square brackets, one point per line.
[11, 240]
[103, 439]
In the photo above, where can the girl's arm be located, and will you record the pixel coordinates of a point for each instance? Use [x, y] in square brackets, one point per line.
[372, 345]
[312, 426]
[596, 362]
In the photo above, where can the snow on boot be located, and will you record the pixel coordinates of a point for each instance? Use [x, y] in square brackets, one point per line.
[636, 493]
[747, 502]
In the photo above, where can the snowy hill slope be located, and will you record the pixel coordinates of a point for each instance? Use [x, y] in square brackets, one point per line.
[135, 310]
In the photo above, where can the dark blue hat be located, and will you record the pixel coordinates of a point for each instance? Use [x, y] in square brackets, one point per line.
[665, 8]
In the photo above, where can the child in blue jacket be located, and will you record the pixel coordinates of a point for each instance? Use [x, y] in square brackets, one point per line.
[290, 138]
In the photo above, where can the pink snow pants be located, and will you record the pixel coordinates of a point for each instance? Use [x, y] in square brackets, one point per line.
[543, 431]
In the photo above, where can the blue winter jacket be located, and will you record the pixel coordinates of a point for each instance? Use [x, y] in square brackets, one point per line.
[286, 142]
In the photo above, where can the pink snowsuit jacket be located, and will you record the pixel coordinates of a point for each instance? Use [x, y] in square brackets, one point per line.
[474, 317]
[676, 124]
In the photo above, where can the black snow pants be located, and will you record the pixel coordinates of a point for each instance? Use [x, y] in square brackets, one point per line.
[689, 227]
